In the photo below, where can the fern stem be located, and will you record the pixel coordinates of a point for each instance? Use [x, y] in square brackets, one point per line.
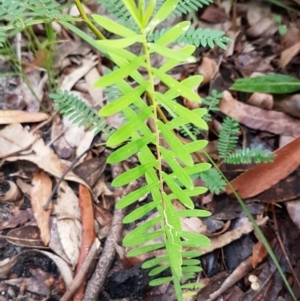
[157, 112]
[87, 21]
[155, 116]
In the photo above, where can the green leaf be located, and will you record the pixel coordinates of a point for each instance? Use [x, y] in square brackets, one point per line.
[195, 240]
[160, 281]
[130, 127]
[150, 263]
[177, 169]
[130, 5]
[171, 54]
[113, 26]
[170, 64]
[173, 33]
[132, 174]
[191, 269]
[191, 254]
[178, 87]
[182, 111]
[192, 285]
[162, 14]
[129, 149]
[175, 144]
[148, 13]
[194, 212]
[145, 249]
[191, 262]
[122, 102]
[158, 270]
[137, 240]
[135, 195]
[140, 212]
[196, 145]
[119, 74]
[198, 168]
[271, 83]
[120, 43]
[183, 198]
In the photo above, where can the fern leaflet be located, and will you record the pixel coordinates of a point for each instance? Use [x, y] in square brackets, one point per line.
[213, 180]
[198, 37]
[249, 155]
[78, 112]
[188, 6]
[228, 137]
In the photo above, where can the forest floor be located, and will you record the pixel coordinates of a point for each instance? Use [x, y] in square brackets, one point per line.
[39, 249]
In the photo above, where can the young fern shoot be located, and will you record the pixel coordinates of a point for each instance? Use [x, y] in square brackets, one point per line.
[177, 243]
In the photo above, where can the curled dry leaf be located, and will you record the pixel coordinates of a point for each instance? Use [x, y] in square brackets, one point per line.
[11, 116]
[261, 100]
[42, 187]
[14, 139]
[265, 175]
[9, 192]
[259, 119]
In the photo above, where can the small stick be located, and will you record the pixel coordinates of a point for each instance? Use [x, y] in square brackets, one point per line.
[45, 207]
[81, 274]
[96, 283]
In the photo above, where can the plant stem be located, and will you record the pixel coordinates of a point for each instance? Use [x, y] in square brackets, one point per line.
[87, 21]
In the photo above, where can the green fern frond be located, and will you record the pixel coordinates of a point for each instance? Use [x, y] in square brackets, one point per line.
[228, 138]
[192, 129]
[249, 155]
[211, 102]
[198, 37]
[213, 180]
[78, 112]
[188, 6]
[12, 10]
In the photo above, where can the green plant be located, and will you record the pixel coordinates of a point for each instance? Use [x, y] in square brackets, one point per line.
[135, 137]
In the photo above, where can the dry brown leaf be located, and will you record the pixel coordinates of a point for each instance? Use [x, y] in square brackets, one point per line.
[11, 116]
[265, 175]
[289, 104]
[288, 54]
[226, 238]
[259, 254]
[41, 189]
[259, 119]
[15, 138]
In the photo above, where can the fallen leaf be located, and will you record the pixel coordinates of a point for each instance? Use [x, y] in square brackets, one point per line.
[288, 54]
[259, 119]
[265, 175]
[14, 116]
[14, 139]
[42, 188]
[88, 234]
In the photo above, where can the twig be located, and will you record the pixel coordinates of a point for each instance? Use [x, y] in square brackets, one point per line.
[45, 207]
[95, 284]
[80, 276]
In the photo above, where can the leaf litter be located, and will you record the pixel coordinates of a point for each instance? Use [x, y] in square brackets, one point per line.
[266, 119]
